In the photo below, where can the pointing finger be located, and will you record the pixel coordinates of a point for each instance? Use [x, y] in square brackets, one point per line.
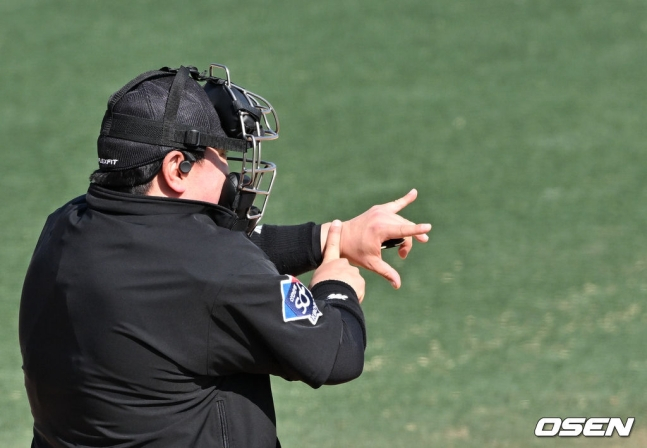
[332, 250]
[406, 230]
[399, 204]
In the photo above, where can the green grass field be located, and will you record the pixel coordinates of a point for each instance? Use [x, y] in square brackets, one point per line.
[521, 123]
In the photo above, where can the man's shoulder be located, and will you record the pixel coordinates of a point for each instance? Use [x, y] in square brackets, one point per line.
[74, 204]
[78, 201]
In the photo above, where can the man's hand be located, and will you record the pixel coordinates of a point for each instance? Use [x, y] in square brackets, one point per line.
[335, 268]
[362, 236]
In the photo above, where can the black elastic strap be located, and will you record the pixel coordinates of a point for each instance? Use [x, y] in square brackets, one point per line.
[173, 103]
[143, 130]
[192, 138]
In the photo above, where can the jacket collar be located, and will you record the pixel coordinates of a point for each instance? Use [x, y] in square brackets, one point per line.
[114, 202]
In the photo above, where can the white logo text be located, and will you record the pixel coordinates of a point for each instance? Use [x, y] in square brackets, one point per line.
[575, 426]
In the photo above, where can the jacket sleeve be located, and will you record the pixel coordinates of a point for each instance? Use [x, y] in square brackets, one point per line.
[293, 249]
[267, 323]
[349, 362]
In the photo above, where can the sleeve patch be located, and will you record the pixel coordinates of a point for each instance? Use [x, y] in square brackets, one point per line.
[298, 302]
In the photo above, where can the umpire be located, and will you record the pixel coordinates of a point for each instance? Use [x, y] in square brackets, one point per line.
[154, 309]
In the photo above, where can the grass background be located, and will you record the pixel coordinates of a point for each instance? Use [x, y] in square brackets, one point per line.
[521, 123]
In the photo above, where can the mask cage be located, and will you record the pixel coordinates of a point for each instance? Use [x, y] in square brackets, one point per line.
[258, 123]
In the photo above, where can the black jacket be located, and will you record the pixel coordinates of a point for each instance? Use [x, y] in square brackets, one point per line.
[143, 322]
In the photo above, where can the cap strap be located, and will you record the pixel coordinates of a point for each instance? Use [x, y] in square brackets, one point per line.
[173, 102]
[180, 136]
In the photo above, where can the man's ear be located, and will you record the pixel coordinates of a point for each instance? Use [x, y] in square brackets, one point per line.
[171, 173]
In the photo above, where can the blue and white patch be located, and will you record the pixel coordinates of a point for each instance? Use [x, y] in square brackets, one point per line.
[298, 302]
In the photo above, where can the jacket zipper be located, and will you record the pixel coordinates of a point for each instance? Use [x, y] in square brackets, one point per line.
[223, 423]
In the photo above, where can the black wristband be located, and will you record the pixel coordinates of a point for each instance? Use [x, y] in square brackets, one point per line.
[293, 249]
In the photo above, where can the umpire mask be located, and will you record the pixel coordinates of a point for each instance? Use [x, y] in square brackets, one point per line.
[146, 119]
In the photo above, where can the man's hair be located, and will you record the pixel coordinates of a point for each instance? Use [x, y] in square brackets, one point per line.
[134, 180]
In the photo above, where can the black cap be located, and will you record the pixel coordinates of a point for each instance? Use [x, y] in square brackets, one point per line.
[155, 113]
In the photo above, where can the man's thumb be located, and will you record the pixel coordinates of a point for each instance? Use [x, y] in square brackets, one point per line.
[332, 250]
